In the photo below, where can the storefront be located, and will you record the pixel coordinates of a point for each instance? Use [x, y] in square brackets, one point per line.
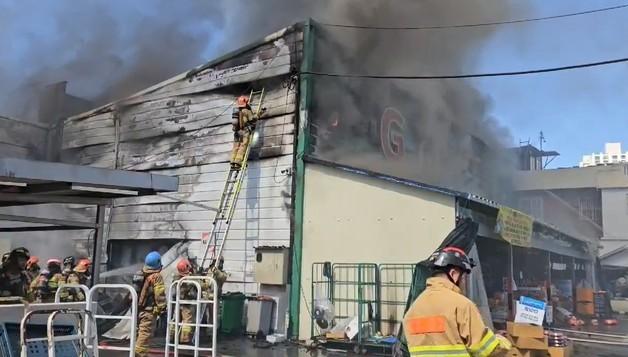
[542, 263]
[511, 272]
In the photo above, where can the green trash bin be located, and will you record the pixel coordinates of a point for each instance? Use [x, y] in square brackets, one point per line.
[231, 313]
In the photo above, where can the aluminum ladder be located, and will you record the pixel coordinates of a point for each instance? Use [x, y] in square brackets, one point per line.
[86, 331]
[92, 304]
[229, 198]
[200, 303]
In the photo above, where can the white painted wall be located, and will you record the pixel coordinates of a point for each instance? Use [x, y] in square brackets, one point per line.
[350, 218]
[615, 213]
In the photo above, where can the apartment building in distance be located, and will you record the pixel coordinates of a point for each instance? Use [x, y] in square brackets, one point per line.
[612, 155]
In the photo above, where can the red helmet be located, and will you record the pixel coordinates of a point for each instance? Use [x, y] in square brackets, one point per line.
[32, 261]
[184, 267]
[82, 266]
[243, 101]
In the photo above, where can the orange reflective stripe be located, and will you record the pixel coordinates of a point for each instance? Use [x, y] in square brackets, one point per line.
[429, 324]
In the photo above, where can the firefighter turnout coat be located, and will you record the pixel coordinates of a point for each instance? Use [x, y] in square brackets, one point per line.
[444, 322]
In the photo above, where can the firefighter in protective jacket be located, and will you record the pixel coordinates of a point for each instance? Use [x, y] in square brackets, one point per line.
[79, 276]
[14, 281]
[243, 125]
[151, 301]
[187, 292]
[32, 267]
[49, 281]
[444, 322]
[217, 273]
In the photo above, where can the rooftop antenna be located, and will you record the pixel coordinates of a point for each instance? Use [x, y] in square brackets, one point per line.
[548, 156]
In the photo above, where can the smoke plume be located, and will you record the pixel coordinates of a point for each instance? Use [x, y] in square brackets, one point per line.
[109, 49]
[447, 136]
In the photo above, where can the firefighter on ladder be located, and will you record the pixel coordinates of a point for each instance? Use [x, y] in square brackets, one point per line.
[442, 321]
[243, 125]
[151, 301]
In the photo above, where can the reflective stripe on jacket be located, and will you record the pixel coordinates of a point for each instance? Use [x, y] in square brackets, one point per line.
[443, 322]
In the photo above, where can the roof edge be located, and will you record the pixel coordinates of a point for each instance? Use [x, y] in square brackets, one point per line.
[271, 37]
[388, 178]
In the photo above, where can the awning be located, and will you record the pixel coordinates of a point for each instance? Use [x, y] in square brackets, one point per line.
[29, 182]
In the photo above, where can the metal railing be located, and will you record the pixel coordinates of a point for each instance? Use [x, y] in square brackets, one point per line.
[81, 337]
[395, 283]
[353, 289]
[200, 303]
[87, 321]
[132, 318]
[374, 294]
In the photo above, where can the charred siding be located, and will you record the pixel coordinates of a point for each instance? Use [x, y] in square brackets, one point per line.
[183, 128]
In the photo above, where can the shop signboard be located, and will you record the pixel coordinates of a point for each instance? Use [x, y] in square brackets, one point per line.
[530, 311]
[515, 227]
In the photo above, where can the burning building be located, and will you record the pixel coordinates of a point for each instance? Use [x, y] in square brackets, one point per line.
[345, 170]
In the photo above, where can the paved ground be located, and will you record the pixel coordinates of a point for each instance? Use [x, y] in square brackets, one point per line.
[232, 347]
[245, 347]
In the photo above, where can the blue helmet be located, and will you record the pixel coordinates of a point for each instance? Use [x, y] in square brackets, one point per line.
[153, 260]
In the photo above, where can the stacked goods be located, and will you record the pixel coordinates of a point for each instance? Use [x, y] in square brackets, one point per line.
[556, 339]
[530, 340]
[584, 302]
[558, 344]
[565, 351]
[601, 308]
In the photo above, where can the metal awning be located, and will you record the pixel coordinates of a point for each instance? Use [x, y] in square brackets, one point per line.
[28, 182]
[34, 182]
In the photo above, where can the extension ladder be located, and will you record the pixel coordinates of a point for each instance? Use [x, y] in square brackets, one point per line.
[231, 192]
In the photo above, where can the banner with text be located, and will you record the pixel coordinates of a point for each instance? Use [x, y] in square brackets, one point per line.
[515, 227]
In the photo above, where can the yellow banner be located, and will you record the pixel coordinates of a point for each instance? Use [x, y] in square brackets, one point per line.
[515, 227]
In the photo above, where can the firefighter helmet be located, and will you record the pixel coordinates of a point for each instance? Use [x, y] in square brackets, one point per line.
[69, 261]
[82, 266]
[243, 101]
[53, 261]
[153, 260]
[20, 252]
[32, 261]
[184, 267]
[451, 257]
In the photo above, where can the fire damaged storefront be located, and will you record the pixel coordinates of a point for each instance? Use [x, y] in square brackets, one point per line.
[548, 265]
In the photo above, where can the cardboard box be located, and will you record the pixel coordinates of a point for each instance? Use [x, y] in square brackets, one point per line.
[531, 343]
[524, 330]
[584, 294]
[515, 352]
[336, 335]
[561, 351]
[585, 308]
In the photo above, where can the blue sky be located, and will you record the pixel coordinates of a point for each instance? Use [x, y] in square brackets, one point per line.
[579, 110]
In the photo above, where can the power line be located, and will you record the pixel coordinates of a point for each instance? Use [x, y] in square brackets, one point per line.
[472, 75]
[477, 24]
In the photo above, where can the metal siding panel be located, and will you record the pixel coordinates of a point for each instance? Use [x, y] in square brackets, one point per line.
[183, 129]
